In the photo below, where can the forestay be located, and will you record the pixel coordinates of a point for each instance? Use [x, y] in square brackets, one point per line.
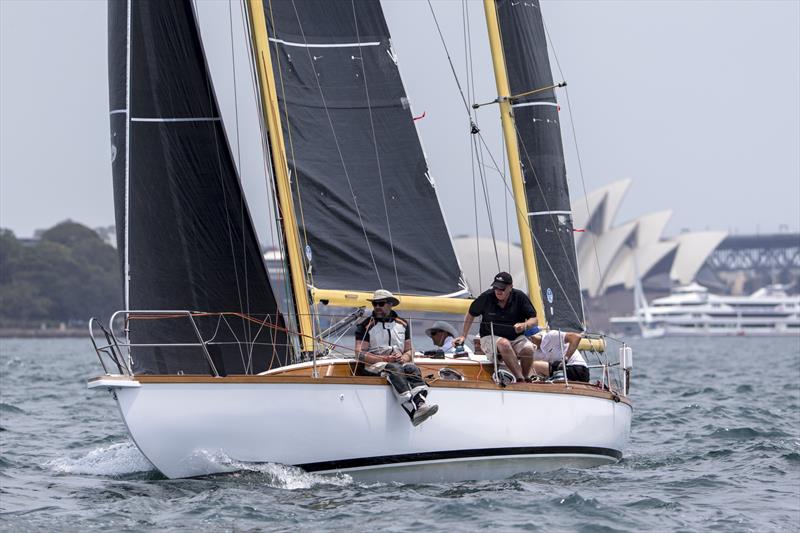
[542, 158]
[183, 227]
[367, 205]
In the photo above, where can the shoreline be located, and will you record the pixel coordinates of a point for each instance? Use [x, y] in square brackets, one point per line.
[38, 333]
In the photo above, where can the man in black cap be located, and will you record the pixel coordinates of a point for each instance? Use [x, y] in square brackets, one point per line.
[506, 313]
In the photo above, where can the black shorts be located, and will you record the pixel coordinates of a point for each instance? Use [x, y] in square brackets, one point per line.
[574, 372]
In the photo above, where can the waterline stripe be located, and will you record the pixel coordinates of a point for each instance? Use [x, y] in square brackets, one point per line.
[423, 457]
[323, 45]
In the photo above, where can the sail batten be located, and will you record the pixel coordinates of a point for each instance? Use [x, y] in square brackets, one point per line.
[188, 240]
[368, 209]
[537, 123]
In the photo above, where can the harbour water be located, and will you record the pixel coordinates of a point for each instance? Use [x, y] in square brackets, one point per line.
[715, 445]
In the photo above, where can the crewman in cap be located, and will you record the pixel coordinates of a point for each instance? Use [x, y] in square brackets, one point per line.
[383, 346]
[443, 334]
[506, 313]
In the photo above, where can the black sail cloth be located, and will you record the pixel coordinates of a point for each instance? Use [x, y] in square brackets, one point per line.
[367, 221]
[191, 244]
[542, 156]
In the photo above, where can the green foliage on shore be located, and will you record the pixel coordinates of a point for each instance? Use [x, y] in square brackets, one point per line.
[68, 275]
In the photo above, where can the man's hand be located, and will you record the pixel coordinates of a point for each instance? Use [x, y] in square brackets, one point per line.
[394, 358]
[458, 341]
[519, 327]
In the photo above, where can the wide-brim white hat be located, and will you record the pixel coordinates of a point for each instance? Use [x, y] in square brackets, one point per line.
[383, 295]
[443, 326]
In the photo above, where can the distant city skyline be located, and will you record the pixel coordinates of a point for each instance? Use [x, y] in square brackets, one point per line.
[698, 103]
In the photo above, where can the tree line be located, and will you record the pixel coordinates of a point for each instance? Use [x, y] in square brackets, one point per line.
[68, 275]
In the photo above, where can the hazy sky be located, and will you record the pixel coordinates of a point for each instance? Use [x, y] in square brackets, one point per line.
[698, 102]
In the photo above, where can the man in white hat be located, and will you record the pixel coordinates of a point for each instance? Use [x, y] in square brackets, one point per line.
[443, 334]
[383, 346]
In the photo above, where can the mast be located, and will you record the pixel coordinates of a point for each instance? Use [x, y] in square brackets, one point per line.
[514, 164]
[269, 99]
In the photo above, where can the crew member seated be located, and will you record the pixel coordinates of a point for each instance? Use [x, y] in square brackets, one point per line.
[443, 334]
[383, 346]
[555, 347]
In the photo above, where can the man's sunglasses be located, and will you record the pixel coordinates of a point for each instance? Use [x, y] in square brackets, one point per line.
[379, 304]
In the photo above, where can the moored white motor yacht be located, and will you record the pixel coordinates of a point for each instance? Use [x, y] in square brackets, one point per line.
[692, 311]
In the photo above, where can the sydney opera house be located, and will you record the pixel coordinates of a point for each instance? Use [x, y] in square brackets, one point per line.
[612, 256]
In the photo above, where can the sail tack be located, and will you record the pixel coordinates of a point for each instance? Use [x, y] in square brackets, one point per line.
[542, 158]
[184, 229]
[368, 209]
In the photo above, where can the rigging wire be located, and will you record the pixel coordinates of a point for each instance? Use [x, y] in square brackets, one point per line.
[375, 145]
[474, 130]
[580, 161]
[239, 166]
[307, 266]
[275, 228]
[470, 92]
[484, 145]
[338, 146]
[218, 152]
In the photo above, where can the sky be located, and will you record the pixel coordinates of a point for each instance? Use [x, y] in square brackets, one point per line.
[697, 102]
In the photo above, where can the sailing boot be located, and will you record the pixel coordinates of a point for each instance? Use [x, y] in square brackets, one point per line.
[423, 410]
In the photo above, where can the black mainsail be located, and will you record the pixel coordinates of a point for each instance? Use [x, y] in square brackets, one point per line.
[185, 235]
[542, 158]
[366, 204]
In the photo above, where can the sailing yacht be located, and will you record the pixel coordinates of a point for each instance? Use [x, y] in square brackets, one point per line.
[211, 367]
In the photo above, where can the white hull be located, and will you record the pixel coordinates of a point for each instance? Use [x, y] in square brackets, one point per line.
[194, 429]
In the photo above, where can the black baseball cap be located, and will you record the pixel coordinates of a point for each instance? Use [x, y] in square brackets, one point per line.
[502, 280]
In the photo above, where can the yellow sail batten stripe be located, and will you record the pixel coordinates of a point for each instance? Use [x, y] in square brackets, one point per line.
[269, 99]
[514, 165]
[433, 304]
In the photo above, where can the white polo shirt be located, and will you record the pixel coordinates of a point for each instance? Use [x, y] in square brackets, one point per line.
[553, 346]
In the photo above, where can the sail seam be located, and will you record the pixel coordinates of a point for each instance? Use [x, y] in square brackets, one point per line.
[189, 119]
[540, 213]
[526, 104]
[323, 45]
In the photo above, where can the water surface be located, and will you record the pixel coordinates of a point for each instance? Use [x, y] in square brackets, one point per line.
[715, 445]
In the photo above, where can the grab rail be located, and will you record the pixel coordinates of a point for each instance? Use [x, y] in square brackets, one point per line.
[114, 344]
[110, 349]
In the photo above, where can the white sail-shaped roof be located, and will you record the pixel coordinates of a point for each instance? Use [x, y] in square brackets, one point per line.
[693, 250]
[593, 267]
[603, 205]
[510, 256]
[594, 213]
[637, 262]
[640, 252]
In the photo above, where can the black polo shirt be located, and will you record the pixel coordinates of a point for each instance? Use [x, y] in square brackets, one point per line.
[518, 309]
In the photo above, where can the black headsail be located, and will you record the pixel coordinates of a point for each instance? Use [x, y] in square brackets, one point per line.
[542, 157]
[367, 205]
[184, 229]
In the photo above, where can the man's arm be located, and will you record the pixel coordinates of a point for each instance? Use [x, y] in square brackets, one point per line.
[363, 354]
[468, 320]
[408, 352]
[526, 324]
[572, 340]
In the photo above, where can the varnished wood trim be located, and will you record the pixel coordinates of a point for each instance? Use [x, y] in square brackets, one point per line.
[578, 389]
